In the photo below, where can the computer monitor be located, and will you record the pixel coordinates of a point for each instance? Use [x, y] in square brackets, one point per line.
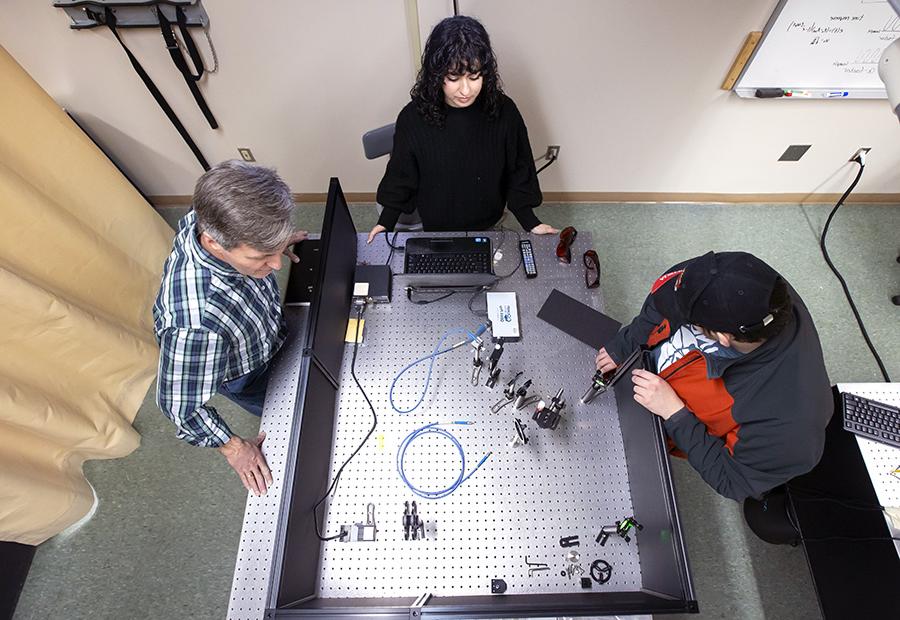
[333, 289]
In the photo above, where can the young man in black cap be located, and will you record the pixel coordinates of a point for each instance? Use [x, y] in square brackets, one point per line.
[739, 376]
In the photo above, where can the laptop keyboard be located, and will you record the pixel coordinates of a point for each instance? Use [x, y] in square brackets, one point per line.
[448, 263]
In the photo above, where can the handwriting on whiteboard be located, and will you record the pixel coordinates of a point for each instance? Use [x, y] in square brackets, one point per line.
[821, 34]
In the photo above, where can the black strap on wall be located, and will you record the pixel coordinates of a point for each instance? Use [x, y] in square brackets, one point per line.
[110, 20]
[190, 78]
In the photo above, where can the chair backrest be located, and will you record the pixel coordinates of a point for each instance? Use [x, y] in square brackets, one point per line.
[378, 142]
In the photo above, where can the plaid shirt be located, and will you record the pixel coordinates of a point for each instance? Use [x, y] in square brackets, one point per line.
[213, 325]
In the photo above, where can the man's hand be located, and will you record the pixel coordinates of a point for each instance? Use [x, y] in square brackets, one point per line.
[604, 362]
[248, 462]
[655, 394]
[544, 229]
[297, 237]
[376, 231]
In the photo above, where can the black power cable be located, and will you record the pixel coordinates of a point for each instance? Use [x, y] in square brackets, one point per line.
[425, 302]
[859, 321]
[550, 161]
[393, 247]
[820, 496]
[337, 476]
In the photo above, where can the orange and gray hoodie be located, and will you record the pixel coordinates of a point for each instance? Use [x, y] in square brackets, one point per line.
[750, 423]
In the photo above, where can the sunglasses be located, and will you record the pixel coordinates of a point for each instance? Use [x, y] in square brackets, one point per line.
[564, 249]
[591, 269]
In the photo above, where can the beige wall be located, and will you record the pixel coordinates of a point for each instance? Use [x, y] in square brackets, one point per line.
[628, 88]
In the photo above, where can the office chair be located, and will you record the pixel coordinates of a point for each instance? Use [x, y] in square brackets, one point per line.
[896, 298]
[379, 142]
[770, 518]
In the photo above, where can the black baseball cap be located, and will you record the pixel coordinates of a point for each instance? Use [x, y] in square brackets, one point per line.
[725, 292]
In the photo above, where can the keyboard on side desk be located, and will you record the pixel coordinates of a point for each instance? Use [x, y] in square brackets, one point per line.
[871, 419]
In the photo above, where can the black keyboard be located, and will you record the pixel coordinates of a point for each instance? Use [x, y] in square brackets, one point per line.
[448, 263]
[442, 255]
[872, 420]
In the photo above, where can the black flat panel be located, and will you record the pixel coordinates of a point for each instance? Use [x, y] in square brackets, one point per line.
[15, 560]
[579, 320]
[592, 603]
[853, 578]
[663, 561]
[330, 307]
[299, 573]
[304, 275]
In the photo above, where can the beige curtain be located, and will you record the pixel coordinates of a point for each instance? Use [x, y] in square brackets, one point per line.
[81, 255]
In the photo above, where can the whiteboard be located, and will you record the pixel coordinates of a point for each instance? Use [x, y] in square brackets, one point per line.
[822, 48]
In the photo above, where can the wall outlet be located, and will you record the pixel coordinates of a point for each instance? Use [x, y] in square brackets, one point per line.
[552, 152]
[860, 154]
[246, 154]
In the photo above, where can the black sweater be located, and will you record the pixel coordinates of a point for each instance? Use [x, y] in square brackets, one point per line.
[460, 176]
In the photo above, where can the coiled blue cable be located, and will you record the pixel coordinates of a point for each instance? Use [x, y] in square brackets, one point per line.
[431, 356]
[435, 428]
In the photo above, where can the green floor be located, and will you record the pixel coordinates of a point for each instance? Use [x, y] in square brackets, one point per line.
[164, 538]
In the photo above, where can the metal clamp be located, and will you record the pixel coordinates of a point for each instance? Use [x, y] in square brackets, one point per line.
[477, 364]
[520, 438]
[413, 526]
[415, 610]
[493, 361]
[549, 415]
[621, 529]
[361, 532]
[510, 390]
[500, 404]
[569, 541]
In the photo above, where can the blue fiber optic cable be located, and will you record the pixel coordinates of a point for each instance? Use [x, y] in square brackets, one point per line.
[438, 350]
[435, 428]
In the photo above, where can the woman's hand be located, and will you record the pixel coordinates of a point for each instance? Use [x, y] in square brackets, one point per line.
[544, 229]
[375, 231]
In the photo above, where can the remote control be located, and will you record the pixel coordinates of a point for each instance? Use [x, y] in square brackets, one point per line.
[528, 258]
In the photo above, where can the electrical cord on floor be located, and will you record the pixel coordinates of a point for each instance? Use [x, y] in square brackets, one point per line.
[435, 428]
[859, 321]
[359, 314]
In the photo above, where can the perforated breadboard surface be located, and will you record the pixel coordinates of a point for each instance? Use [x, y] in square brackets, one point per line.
[564, 482]
[250, 587]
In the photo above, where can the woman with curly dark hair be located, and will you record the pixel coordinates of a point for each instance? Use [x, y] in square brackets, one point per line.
[461, 152]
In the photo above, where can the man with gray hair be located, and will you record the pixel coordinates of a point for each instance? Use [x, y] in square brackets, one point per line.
[217, 316]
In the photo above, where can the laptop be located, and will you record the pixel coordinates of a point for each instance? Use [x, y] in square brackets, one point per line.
[448, 262]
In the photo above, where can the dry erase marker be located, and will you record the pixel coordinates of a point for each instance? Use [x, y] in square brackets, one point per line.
[836, 93]
[797, 93]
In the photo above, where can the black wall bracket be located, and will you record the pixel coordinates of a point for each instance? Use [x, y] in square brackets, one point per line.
[131, 13]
